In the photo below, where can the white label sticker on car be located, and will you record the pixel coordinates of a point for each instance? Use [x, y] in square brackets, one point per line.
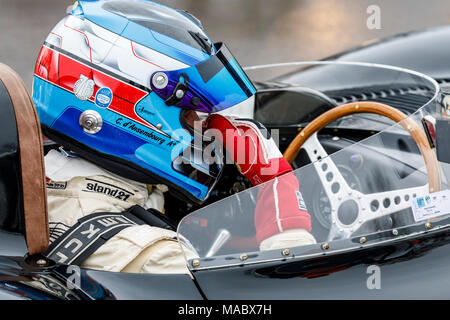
[300, 201]
[431, 206]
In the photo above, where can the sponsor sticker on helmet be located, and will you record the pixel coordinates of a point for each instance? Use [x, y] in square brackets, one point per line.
[84, 88]
[104, 97]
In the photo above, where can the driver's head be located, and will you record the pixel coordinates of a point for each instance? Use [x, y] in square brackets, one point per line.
[115, 81]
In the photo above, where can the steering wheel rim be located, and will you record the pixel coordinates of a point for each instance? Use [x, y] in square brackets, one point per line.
[382, 109]
[343, 196]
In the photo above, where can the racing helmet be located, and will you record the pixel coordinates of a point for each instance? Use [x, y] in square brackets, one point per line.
[115, 81]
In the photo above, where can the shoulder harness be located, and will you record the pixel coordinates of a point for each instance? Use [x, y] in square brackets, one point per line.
[90, 232]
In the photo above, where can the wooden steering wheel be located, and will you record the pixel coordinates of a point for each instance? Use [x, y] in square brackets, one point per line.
[337, 188]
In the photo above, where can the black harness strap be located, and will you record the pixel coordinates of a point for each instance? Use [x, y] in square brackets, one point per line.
[153, 218]
[89, 234]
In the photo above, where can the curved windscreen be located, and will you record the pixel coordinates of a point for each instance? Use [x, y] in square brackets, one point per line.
[366, 181]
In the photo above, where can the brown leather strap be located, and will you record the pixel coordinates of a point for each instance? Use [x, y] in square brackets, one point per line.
[31, 160]
[378, 108]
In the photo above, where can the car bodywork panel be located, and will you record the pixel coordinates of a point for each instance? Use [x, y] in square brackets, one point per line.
[424, 51]
[405, 270]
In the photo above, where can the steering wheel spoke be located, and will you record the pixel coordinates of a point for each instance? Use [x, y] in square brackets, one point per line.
[372, 206]
[381, 204]
[333, 182]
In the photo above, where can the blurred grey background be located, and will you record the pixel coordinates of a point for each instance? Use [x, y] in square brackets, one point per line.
[257, 31]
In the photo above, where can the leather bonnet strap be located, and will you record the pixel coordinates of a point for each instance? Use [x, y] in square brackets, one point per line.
[31, 161]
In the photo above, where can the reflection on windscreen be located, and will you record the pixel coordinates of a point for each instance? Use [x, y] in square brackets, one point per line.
[290, 106]
[370, 191]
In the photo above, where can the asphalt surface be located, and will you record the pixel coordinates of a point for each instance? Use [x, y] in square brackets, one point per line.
[256, 31]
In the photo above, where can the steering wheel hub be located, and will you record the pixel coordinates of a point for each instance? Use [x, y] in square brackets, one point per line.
[348, 212]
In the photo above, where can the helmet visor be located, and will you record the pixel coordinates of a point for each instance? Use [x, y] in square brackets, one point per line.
[213, 85]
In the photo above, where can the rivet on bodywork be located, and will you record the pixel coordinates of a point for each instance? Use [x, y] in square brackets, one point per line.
[325, 246]
[286, 252]
[196, 263]
[428, 225]
[243, 257]
[395, 232]
[41, 262]
[362, 240]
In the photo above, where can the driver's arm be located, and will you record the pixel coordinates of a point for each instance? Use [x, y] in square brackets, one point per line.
[281, 217]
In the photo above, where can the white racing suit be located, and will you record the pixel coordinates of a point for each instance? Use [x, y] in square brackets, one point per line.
[77, 188]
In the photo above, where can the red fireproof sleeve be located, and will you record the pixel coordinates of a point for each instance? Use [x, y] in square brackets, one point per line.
[280, 207]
